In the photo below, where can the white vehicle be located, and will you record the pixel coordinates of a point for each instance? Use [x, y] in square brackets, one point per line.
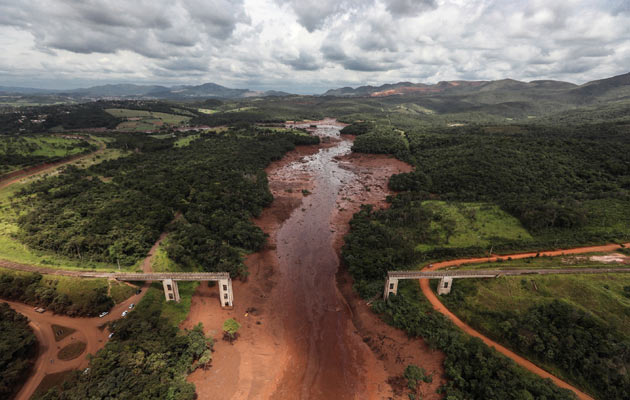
[104, 313]
[131, 306]
[110, 335]
[124, 314]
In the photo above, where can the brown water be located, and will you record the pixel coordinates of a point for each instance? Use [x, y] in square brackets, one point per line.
[328, 359]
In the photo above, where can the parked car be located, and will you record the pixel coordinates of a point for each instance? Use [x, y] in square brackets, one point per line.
[138, 291]
[131, 306]
[110, 335]
[124, 314]
[104, 313]
[39, 310]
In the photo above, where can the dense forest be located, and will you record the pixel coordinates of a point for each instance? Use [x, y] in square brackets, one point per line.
[29, 288]
[555, 180]
[473, 370]
[581, 346]
[116, 210]
[147, 358]
[565, 185]
[18, 347]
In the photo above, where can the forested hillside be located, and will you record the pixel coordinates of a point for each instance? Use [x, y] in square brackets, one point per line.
[482, 189]
[18, 347]
[115, 211]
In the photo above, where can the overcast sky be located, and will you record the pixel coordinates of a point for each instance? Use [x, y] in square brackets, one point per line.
[308, 46]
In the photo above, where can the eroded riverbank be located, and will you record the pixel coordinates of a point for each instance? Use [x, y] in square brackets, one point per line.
[299, 337]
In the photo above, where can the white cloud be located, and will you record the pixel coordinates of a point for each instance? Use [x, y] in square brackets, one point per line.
[310, 44]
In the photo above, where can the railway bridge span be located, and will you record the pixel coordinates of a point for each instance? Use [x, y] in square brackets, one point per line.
[446, 277]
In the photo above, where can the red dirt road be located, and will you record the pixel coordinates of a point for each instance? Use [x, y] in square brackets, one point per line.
[438, 306]
[87, 331]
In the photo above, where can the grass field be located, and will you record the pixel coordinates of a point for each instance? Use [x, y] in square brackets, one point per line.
[207, 111]
[74, 288]
[161, 262]
[569, 261]
[471, 224]
[140, 120]
[120, 291]
[602, 295]
[174, 312]
[40, 148]
[71, 351]
[186, 140]
[48, 146]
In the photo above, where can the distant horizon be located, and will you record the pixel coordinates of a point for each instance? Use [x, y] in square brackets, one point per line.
[170, 85]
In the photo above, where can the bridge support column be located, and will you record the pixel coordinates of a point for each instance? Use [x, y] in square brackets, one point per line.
[444, 287]
[225, 293]
[171, 292]
[391, 287]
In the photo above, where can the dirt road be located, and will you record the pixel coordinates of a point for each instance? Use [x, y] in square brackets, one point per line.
[437, 305]
[87, 331]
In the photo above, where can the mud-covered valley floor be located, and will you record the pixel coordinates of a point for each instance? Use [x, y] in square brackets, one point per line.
[305, 334]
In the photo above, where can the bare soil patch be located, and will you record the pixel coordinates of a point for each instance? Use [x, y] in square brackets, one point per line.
[71, 351]
[612, 258]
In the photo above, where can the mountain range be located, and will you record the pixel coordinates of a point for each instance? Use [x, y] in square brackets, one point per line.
[505, 90]
[131, 91]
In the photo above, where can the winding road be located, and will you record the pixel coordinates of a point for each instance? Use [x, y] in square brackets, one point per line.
[438, 306]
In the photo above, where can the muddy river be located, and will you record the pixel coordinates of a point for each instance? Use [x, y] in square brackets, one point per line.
[300, 338]
[327, 358]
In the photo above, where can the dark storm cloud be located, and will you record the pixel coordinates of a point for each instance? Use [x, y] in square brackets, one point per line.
[409, 8]
[333, 52]
[367, 65]
[304, 62]
[150, 28]
[186, 64]
[312, 14]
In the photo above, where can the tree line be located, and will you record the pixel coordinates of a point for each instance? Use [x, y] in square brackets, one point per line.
[18, 348]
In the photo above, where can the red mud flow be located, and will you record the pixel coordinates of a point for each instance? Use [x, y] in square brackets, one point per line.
[301, 338]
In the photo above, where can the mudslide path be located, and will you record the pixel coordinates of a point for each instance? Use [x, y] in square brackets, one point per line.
[301, 337]
[438, 306]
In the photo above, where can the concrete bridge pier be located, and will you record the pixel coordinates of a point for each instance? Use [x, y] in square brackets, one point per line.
[171, 292]
[444, 287]
[225, 292]
[391, 287]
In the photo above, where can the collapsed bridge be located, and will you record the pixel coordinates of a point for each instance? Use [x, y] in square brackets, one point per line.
[446, 277]
[170, 279]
